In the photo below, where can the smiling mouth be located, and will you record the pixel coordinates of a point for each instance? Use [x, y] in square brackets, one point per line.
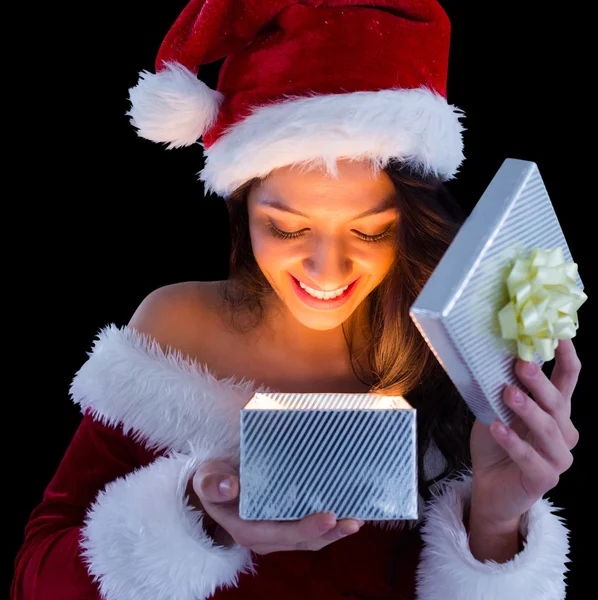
[323, 300]
[320, 294]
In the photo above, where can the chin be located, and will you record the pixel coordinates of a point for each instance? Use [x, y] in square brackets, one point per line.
[321, 324]
[320, 321]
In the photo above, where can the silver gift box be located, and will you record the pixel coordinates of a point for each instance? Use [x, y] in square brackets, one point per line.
[457, 310]
[352, 454]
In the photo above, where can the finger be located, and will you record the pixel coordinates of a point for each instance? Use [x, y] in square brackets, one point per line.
[539, 476]
[566, 369]
[217, 488]
[218, 492]
[271, 536]
[221, 504]
[343, 528]
[216, 481]
[291, 534]
[549, 398]
[549, 439]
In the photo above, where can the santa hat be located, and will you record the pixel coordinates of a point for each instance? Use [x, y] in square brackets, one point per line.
[304, 82]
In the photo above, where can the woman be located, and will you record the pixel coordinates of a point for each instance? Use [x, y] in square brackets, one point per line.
[329, 137]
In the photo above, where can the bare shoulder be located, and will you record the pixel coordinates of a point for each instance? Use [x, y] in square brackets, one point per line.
[180, 316]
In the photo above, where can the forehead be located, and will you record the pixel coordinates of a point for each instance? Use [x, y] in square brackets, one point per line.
[356, 188]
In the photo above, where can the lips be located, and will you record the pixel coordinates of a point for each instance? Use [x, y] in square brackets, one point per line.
[315, 287]
[319, 304]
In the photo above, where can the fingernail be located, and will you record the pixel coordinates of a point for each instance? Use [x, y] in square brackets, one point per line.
[501, 430]
[225, 486]
[517, 398]
[530, 369]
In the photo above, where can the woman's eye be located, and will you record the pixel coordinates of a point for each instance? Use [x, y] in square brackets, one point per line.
[375, 238]
[283, 234]
[289, 235]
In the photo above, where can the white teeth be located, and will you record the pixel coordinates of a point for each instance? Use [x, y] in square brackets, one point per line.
[323, 295]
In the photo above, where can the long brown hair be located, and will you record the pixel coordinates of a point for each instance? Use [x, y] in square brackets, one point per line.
[399, 358]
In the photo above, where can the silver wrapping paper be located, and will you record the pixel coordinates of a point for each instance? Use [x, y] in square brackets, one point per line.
[457, 310]
[352, 454]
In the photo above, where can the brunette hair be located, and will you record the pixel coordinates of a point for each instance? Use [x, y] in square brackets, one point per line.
[399, 357]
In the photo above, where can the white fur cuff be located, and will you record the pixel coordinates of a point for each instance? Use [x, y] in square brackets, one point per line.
[447, 569]
[142, 541]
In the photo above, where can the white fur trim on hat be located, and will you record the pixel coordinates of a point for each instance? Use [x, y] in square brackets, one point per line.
[173, 106]
[448, 569]
[142, 541]
[415, 126]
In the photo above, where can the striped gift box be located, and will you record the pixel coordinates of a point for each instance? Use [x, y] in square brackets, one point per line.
[457, 309]
[352, 454]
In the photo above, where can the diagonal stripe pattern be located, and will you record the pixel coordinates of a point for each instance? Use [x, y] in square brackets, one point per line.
[457, 310]
[328, 452]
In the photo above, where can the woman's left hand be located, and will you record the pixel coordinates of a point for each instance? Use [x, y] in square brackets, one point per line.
[511, 472]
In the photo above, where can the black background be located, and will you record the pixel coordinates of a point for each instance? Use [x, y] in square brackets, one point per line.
[105, 216]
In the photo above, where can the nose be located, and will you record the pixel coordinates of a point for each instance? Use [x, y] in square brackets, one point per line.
[328, 265]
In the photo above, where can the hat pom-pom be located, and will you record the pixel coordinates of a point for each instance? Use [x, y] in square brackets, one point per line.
[173, 106]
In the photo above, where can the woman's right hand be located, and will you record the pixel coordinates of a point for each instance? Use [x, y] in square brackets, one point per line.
[220, 504]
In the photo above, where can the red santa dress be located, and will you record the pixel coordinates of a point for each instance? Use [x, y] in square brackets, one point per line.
[115, 522]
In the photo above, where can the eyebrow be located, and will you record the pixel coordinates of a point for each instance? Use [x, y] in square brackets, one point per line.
[385, 205]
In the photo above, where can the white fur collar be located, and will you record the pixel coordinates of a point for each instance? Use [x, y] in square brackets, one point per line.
[161, 398]
[164, 400]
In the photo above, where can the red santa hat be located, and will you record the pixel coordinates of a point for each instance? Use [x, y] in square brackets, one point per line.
[304, 82]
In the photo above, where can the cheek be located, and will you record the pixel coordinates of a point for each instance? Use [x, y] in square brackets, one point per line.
[259, 240]
[378, 261]
[269, 255]
[377, 266]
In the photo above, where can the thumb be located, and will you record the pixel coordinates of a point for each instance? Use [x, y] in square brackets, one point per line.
[216, 481]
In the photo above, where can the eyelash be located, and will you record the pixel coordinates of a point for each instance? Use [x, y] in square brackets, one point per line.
[291, 236]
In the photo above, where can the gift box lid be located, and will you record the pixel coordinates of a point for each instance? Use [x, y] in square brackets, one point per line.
[457, 309]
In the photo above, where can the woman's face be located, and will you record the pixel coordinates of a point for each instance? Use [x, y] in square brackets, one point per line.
[323, 243]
